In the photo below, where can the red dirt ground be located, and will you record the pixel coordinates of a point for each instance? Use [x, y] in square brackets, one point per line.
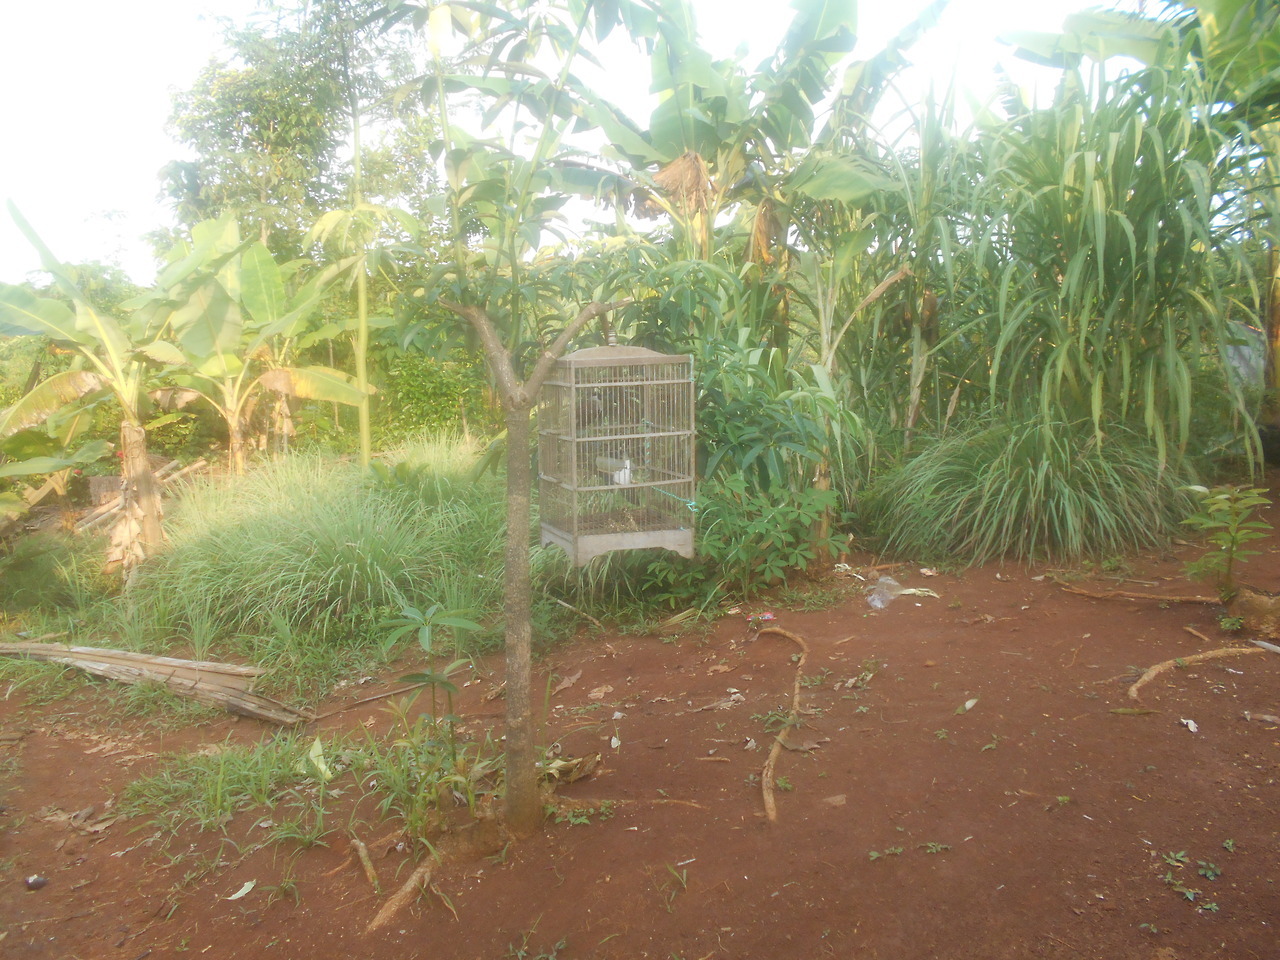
[1037, 824]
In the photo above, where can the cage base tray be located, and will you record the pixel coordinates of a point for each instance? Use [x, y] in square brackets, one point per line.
[588, 546]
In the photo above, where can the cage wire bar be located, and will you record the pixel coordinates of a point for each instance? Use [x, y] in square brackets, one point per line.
[616, 452]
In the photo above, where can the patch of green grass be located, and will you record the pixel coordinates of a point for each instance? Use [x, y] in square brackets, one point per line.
[207, 790]
[1029, 488]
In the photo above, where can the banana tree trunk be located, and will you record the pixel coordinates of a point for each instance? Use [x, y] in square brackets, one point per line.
[138, 533]
[235, 445]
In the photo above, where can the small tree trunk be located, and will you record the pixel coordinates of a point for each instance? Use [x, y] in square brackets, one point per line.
[522, 806]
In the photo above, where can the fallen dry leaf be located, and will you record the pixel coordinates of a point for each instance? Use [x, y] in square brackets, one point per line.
[567, 682]
[794, 741]
[599, 692]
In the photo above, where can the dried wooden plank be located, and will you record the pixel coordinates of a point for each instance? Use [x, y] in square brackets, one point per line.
[188, 678]
[35, 649]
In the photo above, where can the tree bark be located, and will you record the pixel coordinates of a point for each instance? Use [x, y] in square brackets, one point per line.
[522, 809]
[235, 444]
[139, 534]
[521, 804]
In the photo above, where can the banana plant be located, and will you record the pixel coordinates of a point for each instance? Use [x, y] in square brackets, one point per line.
[226, 315]
[117, 359]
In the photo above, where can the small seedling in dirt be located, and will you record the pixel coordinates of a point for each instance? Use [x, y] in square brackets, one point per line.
[286, 888]
[815, 679]
[886, 852]
[1063, 800]
[1150, 928]
[783, 784]
[499, 858]
[1230, 624]
[1208, 870]
[776, 720]
[932, 847]
[1208, 906]
[1226, 516]
[522, 952]
[576, 818]
[671, 888]
[1178, 860]
[751, 779]
[995, 739]
[941, 734]
[1229, 846]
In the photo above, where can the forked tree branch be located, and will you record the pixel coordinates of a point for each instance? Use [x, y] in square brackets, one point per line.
[509, 385]
[549, 356]
[516, 394]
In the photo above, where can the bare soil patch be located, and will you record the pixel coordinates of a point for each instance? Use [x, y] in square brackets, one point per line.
[1040, 822]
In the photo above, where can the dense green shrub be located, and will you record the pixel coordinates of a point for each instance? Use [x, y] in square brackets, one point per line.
[1028, 490]
[423, 396]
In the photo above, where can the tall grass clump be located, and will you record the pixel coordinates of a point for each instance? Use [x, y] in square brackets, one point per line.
[51, 572]
[311, 548]
[1029, 490]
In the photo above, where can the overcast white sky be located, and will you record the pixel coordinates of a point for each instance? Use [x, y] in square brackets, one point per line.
[85, 89]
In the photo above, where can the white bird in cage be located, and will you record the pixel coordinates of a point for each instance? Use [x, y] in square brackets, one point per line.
[618, 471]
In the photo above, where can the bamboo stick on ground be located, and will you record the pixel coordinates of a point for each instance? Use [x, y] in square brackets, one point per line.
[1127, 595]
[766, 774]
[1153, 672]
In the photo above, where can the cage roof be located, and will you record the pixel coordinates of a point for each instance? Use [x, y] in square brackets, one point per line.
[606, 356]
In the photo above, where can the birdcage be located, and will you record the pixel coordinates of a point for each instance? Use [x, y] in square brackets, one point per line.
[615, 452]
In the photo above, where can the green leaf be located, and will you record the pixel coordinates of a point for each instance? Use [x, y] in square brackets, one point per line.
[209, 322]
[261, 285]
[48, 398]
[847, 179]
[164, 352]
[314, 383]
[24, 314]
[38, 465]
